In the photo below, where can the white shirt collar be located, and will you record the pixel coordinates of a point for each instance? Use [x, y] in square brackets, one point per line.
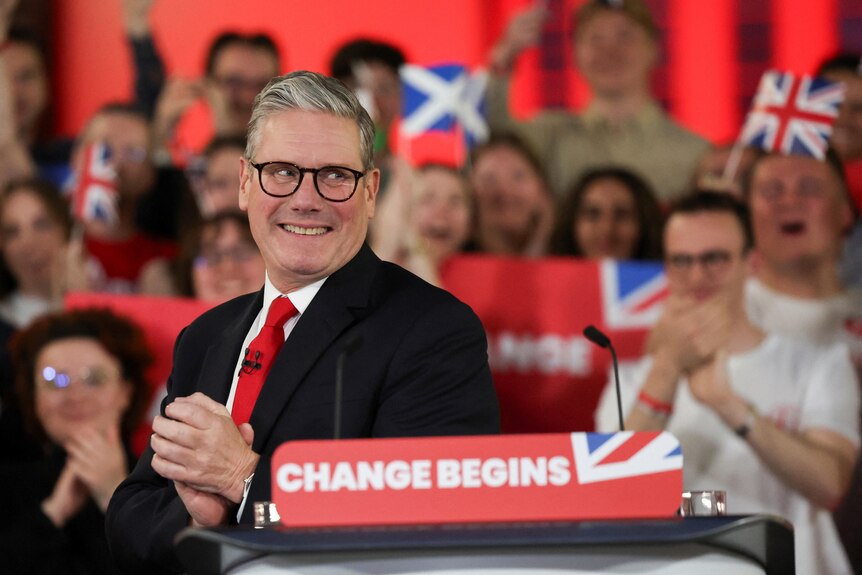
[300, 298]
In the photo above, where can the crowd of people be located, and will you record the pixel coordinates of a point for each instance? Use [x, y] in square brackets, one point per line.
[754, 364]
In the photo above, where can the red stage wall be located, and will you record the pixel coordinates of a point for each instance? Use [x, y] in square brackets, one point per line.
[714, 50]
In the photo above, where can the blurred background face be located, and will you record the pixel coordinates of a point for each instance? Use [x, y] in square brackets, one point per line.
[384, 87]
[442, 213]
[614, 53]
[847, 130]
[798, 211]
[712, 243]
[229, 263]
[32, 240]
[95, 395]
[606, 225]
[509, 193]
[240, 72]
[220, 190]
[29, 84]
[128, 137]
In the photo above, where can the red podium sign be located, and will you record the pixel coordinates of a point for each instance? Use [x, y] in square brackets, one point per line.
[546, 477]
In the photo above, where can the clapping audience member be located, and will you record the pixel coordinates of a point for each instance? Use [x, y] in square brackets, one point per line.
[35, 226]
[616, 48]
[423, 219]
[609, 213]
[514, 207]
[771, 420]
[80, 382]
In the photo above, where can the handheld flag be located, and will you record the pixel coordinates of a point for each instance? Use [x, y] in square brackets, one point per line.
[445, 103]
[94, 197]
[792, 115]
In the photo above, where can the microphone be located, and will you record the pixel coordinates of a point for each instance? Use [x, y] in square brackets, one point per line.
[353, 342]
[249, 366]
[593, 334]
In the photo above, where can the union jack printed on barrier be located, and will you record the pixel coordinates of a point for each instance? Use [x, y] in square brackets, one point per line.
[443, 98]
[94, 197]
[632, 293]
[606, 456]
[793, 115]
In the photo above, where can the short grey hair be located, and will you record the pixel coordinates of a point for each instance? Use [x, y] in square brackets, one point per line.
[311, 92]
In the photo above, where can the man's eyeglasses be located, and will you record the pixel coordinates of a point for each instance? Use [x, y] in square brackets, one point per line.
[712, 261]
[91, 377]
[282, 179]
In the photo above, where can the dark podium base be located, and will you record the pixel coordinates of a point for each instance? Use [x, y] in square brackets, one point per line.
[717, 545]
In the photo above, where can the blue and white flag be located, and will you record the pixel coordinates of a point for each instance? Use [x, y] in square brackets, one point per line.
[445, 98]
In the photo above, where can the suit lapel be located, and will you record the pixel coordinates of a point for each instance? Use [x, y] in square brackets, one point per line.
[342, 301]
[217, 371]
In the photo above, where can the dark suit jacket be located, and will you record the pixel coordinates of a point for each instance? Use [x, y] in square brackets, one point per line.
[420, 369]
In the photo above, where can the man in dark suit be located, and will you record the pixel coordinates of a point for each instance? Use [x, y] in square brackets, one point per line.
[418, 364]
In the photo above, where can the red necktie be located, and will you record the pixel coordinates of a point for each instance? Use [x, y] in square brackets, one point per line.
[259, 357]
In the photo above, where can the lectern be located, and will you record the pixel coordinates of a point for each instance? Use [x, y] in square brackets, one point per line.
[551, 503]
[737, 545]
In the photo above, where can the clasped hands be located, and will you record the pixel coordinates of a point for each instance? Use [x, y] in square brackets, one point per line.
[198, 446]
[690, 340]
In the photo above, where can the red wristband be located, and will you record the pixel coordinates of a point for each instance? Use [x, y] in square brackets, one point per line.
[655, 404]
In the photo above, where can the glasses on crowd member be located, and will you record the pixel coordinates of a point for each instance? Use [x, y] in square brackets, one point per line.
[126, 154]
[239, 254]
[282, 179]
[809, 187]
[53, 379]
[237, 83]
[713, 262]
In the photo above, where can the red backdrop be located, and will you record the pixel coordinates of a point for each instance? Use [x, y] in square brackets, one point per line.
[714, 50]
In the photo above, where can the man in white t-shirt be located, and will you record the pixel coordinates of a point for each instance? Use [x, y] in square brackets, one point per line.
[801, 213]
[770, 420]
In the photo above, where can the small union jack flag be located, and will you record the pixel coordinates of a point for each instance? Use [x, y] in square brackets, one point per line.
[606, 456]
[793, 115]
[94, 196]
[632, 293]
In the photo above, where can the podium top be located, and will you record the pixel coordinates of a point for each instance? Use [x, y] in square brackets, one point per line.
[765, 539]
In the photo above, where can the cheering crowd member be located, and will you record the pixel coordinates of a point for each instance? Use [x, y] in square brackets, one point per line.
[773, 421]
[419, 366]
[801, 213]
[616, 48]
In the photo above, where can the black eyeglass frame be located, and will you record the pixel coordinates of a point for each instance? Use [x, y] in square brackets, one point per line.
[302, 171]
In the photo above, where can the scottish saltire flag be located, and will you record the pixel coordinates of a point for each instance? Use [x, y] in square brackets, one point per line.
[632, 293]
[792, 115]
[94, 197]
[626, 454]
[445, 98]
